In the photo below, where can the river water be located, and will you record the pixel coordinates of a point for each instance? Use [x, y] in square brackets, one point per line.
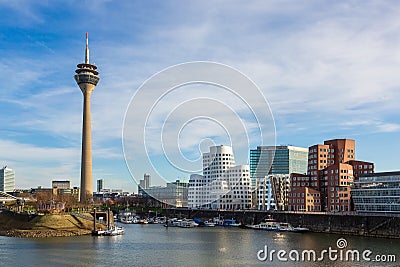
[155, 245]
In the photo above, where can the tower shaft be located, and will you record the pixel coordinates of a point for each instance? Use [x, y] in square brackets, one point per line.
[87, 79]
[86, 160]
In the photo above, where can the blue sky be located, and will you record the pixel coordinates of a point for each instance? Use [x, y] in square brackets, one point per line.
[329, 69]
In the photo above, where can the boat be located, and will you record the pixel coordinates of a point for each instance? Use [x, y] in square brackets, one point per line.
[127, 219]
[230, 223]
[284, 227]
[116, 230]
[271, 225]
[218, 221]
[187, 224]
[138, 220]
[225, 222]
[209, 224]
[300, 229]
[98, 232]
[267, 225]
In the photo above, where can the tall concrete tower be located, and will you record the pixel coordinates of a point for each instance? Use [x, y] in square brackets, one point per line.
[87, 79]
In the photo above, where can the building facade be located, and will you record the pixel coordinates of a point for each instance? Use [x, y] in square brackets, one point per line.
[272, 192]
[267, 160]
[174, 194]
[361, 168]
[223, 185]
[7, 180]
[377, 192]
[65, 184]
[100, 185]
[332, 168]
[144, 183]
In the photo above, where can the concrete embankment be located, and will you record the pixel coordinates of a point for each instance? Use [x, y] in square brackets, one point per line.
[24, 225]
[350, 224]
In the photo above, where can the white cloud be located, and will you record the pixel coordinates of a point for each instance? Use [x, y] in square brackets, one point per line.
[319, 64]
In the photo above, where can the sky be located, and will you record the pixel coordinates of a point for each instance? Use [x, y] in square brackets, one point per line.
[326, 69]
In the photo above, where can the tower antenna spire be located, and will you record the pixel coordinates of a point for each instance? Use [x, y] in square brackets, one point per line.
[87, 49]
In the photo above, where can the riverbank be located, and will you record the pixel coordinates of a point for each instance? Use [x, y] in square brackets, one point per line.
[38, 226]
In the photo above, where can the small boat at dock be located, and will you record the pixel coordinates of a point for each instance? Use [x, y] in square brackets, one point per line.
[270, 224]
[116, 230]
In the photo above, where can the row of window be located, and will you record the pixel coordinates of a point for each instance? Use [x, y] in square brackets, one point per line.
[217, 155]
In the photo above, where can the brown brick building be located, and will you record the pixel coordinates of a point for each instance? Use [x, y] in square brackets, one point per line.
[332, 168]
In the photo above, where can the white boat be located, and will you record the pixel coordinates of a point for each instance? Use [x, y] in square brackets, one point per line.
[267, 225]
[127, 220]
[218, 221]
[284, 227]
[99, 232]
[116, 230]
[138, 220]
[181, 223]
[125, 217]
[209, 224]
[300, 229]
[187, 224]
[271, 225]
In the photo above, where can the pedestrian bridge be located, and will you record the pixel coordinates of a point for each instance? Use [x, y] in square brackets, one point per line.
[4, 197]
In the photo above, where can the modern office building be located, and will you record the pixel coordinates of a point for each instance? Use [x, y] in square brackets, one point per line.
[361, 168]
[7, 180]
[87, 78]
[223, 185]
[267, 160]
[100, 185]
[377, 192]
[174, 194]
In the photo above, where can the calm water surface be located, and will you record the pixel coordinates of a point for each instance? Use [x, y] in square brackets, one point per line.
[155, 245]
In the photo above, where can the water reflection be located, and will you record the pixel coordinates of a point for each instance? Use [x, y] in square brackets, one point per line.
[155, 245]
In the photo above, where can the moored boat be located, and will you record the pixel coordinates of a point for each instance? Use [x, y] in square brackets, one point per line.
[116, 230]
[187, 224]
[300, 229]
[230, 223]
[98, 232]
[267, 225]
[209, 224]
[271, 225]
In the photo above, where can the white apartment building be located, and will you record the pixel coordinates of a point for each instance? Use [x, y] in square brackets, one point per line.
[222, 185]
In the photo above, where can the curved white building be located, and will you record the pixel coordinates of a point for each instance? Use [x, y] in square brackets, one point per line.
[222, 185]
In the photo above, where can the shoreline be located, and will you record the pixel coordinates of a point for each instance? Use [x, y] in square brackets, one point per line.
[17, 233]
[43, 226]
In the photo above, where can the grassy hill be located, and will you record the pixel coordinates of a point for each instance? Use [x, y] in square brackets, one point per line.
[23, 225]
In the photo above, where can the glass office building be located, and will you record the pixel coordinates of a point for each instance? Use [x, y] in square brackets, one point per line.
[377, 193]
[267, 160]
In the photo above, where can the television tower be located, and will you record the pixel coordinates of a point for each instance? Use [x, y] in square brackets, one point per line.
[87, 78]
